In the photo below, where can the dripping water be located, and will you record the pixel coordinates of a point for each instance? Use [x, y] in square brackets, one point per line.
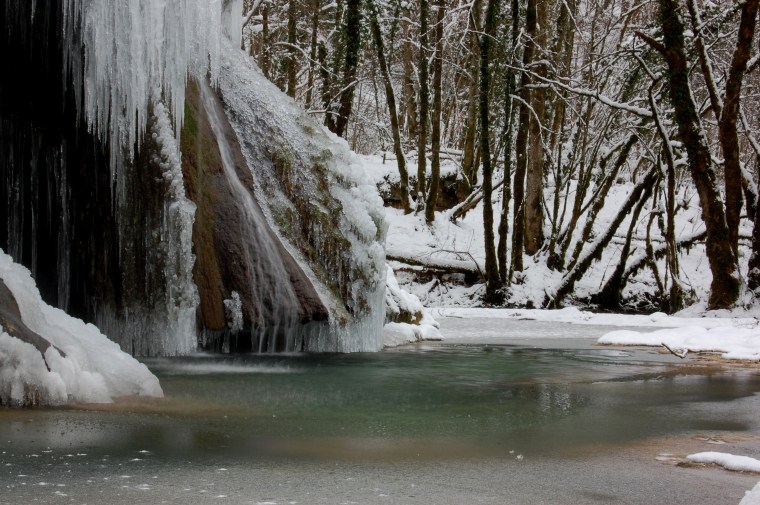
[274, 310]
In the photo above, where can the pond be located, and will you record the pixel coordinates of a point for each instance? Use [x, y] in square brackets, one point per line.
[518, 416]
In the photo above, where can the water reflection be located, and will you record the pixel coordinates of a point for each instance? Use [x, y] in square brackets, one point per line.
[422, 402]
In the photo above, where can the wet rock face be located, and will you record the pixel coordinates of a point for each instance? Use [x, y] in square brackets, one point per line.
[226, 259]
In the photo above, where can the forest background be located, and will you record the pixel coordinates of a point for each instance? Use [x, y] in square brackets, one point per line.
[543, 109]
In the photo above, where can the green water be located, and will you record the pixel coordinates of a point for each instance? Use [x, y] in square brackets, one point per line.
[464, 406]
[481, 397]
[442, 398]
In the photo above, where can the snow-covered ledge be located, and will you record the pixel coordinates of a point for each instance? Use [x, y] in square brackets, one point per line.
[81, 365]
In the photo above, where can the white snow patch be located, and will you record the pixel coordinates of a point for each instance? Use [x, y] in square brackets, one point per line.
[94, 370]
[752, 497]
[730, 342]
[727, 461]
[395, 334]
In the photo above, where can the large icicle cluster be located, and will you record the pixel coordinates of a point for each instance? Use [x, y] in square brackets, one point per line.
[133, 48]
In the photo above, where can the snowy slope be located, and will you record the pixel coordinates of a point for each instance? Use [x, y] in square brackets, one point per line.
[461, 245]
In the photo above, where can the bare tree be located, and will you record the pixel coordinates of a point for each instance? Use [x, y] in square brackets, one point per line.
[435, 140]
[352, 37]
[724, 289]
[390, 97]
[492, 270]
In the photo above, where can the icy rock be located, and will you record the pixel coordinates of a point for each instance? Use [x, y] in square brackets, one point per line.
[130, 50]
[317, 198]
[407, 320]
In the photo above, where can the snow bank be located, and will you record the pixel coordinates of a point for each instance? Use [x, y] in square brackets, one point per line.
[396, 334]
[731, 342]
[94, 369]
[577, 316]
[727, 461]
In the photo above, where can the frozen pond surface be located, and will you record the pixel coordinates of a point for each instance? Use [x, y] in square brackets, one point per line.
[501, 412]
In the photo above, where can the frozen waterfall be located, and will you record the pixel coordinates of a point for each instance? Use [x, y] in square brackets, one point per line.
[116, 226]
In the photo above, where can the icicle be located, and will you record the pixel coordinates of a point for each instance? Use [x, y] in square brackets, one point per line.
[132, 47]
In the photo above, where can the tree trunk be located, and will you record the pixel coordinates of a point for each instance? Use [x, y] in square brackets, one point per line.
[326, 92]
[292, 51]
[492, 272]
[509, 111]
[469, 168]
[726, 282]
[266, 55]
[390, 97]
[534, 182]
[435, 161]
[521, 145]
[312, 52]
[675, 299]
[729, 137]
[410, 103]
[753, 276]
[423, 105]
[352, 38]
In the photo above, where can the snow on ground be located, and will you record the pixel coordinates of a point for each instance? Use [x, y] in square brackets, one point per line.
[735, 338]
[399, 304]
[730, 342]
[94, 369]
[733, 463]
